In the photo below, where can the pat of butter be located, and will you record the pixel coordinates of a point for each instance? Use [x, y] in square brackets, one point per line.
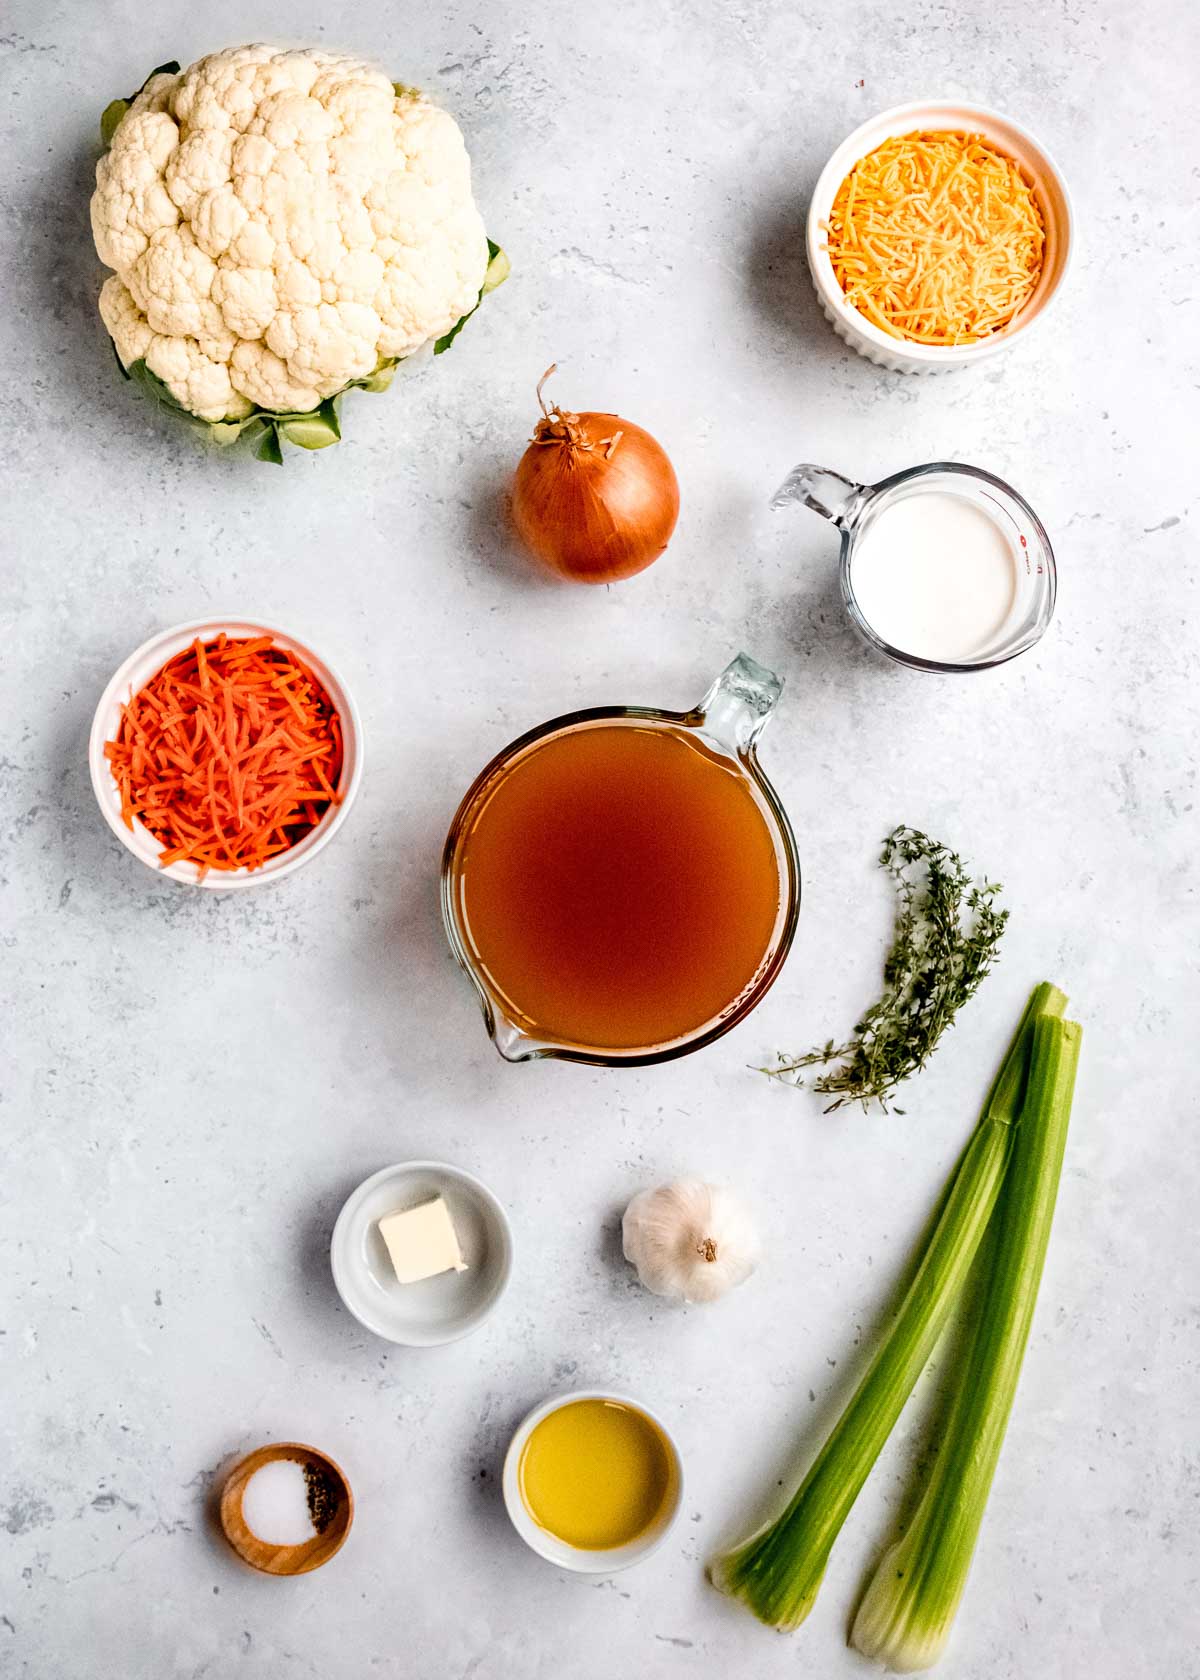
[422, 1242]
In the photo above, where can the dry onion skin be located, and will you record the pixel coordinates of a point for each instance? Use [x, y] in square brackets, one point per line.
[595, 497]
[937, 238]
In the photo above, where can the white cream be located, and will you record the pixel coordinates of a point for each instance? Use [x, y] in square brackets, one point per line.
[935, 576]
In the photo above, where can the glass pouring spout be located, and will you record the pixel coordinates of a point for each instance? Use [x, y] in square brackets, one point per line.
[735, 709]
[826, 492]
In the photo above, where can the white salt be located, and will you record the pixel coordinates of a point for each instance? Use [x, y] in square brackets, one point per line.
[275, 1504]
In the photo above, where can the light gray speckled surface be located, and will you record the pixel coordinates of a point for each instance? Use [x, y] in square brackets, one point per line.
[192, 1085]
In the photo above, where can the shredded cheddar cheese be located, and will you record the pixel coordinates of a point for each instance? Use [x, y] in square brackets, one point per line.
[937, 238]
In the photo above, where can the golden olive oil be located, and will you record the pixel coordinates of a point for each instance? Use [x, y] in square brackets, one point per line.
[596, 1474]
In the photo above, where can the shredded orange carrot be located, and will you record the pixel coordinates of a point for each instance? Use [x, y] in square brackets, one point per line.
[229, 755]
[937, 238]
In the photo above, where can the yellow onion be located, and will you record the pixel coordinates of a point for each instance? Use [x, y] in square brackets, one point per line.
[595, 497]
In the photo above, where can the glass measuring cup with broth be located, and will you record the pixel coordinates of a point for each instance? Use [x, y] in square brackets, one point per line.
[621, 884]
[943, 567]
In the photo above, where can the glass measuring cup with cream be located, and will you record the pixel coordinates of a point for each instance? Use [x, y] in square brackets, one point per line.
[943, 567]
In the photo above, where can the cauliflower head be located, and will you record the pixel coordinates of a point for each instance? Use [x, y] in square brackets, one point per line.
[282, 225]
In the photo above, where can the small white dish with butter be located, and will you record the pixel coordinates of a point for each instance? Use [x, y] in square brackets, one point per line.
[421, 1253]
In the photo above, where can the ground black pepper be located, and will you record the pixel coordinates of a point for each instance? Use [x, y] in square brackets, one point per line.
[323, 1496]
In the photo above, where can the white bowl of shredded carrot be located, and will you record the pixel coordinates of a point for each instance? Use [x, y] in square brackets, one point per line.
[225, 753]
[938, 234]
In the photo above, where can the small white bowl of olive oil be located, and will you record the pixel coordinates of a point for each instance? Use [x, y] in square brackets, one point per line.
[592, 1481]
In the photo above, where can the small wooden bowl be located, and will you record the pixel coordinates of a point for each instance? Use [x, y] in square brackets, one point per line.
[285, 1560]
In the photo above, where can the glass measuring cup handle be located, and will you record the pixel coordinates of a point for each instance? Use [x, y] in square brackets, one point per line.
[826, 492]
[737, 706]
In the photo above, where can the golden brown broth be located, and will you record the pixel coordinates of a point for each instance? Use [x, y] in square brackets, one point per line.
[619, 886]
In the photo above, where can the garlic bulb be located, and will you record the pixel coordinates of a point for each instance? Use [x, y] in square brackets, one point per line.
[689, 1241]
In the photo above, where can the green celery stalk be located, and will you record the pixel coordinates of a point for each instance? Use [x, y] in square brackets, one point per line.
[778, 1570]
[908, 1610]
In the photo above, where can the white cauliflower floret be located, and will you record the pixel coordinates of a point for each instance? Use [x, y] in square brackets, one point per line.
[172, 280]
[267, 380]
[195, 370]
[127, 326]
[136, 202]
[279, 223]
[156, 94]
[247, 299]
[201, 384]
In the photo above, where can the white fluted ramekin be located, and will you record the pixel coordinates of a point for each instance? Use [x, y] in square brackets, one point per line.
[898, 354]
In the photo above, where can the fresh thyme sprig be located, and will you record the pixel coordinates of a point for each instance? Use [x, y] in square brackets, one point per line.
[944, 943]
